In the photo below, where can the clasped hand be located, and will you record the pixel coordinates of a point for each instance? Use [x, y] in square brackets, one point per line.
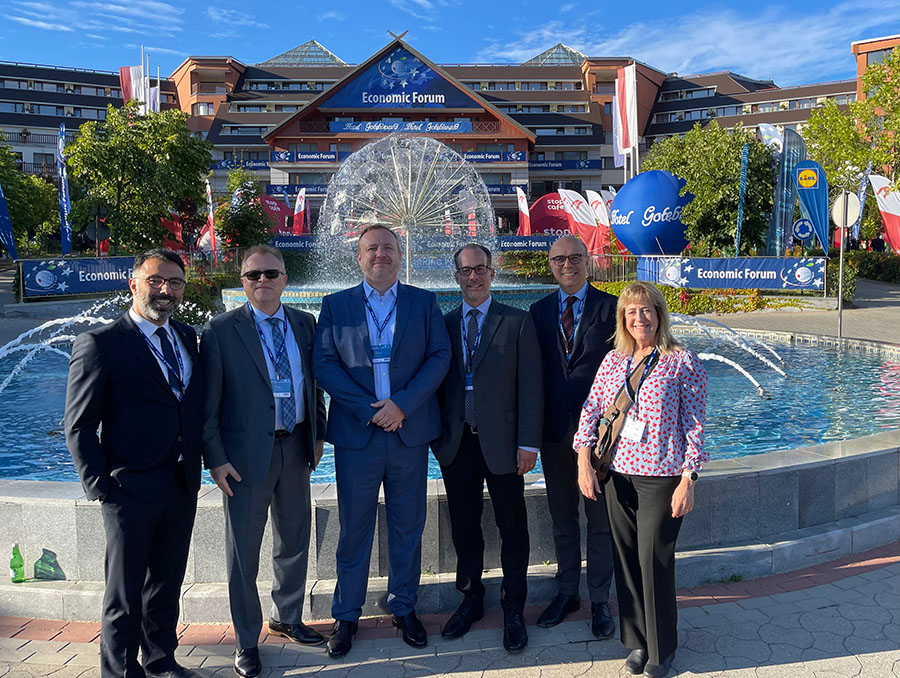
[389, 416]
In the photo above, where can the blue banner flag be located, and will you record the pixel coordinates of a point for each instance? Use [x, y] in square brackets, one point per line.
[812, 188]
[745, 156]
[65, 228]
[54, 277]
[861, 193]
[6, 232]
[779, 236]
[764, 273]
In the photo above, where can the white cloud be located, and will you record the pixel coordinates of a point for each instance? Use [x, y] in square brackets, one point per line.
[146, 17]
[769, 43]
[40, 24]
[332, 15]
[232, 17]
[568, 7]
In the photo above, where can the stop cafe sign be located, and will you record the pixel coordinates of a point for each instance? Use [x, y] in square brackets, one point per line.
[548, 216]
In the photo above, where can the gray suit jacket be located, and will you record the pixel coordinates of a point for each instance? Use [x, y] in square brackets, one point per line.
[239, 419]
[509, 400]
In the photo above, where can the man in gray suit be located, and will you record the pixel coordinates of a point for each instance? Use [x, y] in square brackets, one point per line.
[492, 424]
[265, 420]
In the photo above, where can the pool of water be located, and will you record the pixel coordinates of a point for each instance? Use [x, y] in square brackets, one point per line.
[830, 394]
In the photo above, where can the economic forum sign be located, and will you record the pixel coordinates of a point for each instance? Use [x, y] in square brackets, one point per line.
[53, 277]
[766, 273]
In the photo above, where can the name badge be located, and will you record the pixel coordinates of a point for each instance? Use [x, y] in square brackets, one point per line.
[281, 388]
[633, 429]
[381, 353]
[470, 382]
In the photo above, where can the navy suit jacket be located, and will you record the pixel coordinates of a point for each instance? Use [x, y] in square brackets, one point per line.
[567, 384]
[342, 363]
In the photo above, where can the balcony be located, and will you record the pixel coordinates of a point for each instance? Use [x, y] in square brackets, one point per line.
[322, 127]
[209, 88]
[36, 139]
[41, 169]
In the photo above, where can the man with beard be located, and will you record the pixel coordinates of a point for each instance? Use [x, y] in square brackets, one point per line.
[138, 380]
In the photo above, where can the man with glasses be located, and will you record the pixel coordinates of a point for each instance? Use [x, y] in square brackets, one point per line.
[381, 352]
[575, 325]
[492, 410]
[138, 381]
[263, 435]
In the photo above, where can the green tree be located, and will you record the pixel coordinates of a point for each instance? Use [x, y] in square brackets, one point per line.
[709, 160]
[33, 205]
[244, 221]
[137, 167]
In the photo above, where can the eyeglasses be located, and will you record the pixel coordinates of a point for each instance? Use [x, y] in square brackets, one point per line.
[270, 273]
[157, 281]
[573, 259]
[466, 271]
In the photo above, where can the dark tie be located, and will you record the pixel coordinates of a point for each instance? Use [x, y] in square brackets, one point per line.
[568, 322]
[471, 336]
[173, 370]
[283, 371]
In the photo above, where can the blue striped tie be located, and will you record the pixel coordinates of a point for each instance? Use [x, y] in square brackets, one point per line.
[283, 371]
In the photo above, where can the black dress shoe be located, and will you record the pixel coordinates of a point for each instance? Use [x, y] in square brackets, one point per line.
[659, 670]
[470, 610]
[602, 624]
[414, 633]
[296, 633]
[636, 661]
[341, 639]
[176, 671]
[246, 662]
[515, 637]
[558, 609]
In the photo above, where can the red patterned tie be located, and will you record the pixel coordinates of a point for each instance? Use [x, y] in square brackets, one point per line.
[568, 322]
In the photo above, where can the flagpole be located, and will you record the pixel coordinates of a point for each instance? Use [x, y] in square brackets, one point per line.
[141, 100]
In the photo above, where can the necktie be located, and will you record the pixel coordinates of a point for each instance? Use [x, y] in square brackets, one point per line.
[173, 370]
[283, 371]
[568, 323]
[471, 336]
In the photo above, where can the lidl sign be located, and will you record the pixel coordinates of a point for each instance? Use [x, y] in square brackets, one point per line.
[807, 178]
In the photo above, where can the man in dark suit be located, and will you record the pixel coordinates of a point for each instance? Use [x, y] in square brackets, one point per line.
[138, 380]
[263, 434]
[381, 352]
[492, 411]
[575, 326]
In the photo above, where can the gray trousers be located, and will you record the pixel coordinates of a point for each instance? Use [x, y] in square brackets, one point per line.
[286, 491]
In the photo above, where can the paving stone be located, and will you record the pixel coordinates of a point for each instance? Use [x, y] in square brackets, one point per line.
[833, 623]
[747, 631]
[827, 644]
[754, 650]
[855, 612]
[51, 658]
[12, 643]
[84, 660]
[699, 641]
[837, 667]
[785, 670]
[14, 656]
[687, 660]
[857, 645]
[794, 637]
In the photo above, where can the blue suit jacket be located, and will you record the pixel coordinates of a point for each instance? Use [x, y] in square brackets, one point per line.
[342, 363]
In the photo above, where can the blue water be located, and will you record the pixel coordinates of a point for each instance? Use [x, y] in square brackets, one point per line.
[828, 395]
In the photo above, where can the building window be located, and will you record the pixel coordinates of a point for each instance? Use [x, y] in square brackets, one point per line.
[607, 108]
[494, 148]
[570, 155]
[246, 155]
[537, 157]
[281, 108]
[581, 130]
[205, 109]
[303, 148]
[44, 159]
[604, 88]
[572, 108]
[876, 57]
[496, 179]
[308, 178]
[341, 148]
[245, 130]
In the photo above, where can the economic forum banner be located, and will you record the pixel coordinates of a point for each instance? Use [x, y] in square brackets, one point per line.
[764, 273]
[54, 277]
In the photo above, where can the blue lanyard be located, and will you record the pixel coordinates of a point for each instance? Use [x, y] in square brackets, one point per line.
[465, 338]
[641, 382]
[380, 326]
[577, 319]
[165, 362]
[284, 327]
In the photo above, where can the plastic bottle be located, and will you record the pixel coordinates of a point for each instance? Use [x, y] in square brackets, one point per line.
[16, 566]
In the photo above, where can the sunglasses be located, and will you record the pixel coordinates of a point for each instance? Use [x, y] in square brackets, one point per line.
[270, 273]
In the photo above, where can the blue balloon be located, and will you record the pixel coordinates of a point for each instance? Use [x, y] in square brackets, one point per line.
[646, 214]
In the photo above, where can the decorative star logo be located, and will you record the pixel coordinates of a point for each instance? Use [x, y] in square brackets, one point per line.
[682, 282]
[688, 268]
[62, 287]
[403, 83]
[67, 271]
[818, 282]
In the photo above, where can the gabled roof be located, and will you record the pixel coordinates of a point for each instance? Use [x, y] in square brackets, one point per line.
[558, 54]
[310, 53]
[323, 98]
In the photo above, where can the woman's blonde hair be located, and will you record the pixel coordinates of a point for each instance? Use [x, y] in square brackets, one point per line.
[643, 292]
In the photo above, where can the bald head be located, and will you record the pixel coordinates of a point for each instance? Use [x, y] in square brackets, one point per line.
[568, 263]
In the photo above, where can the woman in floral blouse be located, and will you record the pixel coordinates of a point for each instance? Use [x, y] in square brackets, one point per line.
[655, 465]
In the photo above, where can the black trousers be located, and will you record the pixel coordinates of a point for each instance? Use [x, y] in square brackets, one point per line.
[644, 534]
[464, 481]
[563, 497]
[147, 543]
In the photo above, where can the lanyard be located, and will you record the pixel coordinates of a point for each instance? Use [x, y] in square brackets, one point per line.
[577, 319]
[274, 358]
[648, 361]
[465, 338]
[383, 325]
[165, 362]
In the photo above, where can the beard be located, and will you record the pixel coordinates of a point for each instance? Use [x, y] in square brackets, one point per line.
[149, 305]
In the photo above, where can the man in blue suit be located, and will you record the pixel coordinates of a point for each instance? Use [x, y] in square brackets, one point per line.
[381, 351]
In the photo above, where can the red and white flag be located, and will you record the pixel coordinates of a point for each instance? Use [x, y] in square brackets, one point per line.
[134, 85]
[524, 215]
[889, 206]
[626, 111]
[207, 241]
[601, 215]
[299, 222]
[581, 220]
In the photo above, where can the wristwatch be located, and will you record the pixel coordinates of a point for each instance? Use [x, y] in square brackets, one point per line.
[690, 475]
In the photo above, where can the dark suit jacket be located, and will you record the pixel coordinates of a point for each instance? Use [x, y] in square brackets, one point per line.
[114, 380]
[239, 417]
[508, 396]
[566, 385]
[342, 357]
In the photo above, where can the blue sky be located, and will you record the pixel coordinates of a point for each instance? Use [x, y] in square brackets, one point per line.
[789, 42]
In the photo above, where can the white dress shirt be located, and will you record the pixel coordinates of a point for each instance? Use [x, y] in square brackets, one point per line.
[149, 330]
[381, 305]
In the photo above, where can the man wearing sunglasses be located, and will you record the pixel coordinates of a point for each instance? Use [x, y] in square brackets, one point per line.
[265, 420]
[138, 381]
[381, 352]
[575, 325]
